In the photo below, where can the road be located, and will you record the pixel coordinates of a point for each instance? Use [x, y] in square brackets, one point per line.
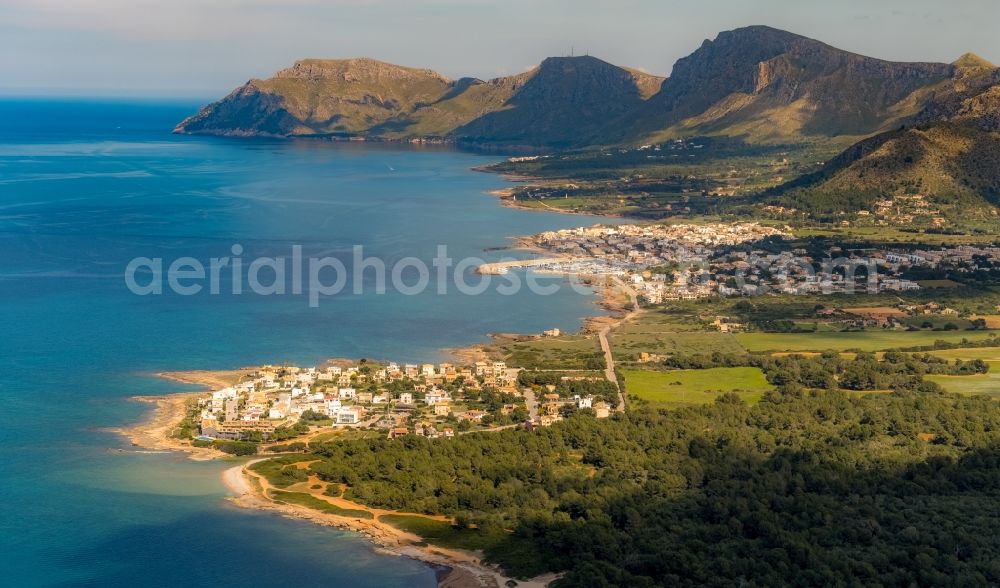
[602, 336]
[532, 404]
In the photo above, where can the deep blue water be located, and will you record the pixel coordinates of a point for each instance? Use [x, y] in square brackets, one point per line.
[86, 186]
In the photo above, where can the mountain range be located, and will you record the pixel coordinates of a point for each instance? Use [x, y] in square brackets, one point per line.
[931, 129]
[756, 83]
[564, 101]
[948, 153]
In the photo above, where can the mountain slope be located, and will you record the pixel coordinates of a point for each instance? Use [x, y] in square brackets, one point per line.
[567, 101]
[764, 84]
[562, 102]
[757, 83]
[973, 98]
[947, 157]
[317, 96]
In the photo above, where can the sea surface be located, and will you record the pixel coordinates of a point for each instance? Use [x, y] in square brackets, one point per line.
[88, 185]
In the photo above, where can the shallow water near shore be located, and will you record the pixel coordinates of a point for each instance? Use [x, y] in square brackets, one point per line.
[85, 186]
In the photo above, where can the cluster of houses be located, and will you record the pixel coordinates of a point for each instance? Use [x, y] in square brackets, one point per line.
[962, 257]
[886, 316]
[684, 262]
[650, 245]
[901, 209]
[553, 407]
[273, 397]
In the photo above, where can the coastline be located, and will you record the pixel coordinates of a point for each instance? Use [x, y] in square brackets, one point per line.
[155, 431]
[455, 568]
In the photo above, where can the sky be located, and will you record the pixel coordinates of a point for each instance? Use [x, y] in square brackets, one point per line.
[204, 48]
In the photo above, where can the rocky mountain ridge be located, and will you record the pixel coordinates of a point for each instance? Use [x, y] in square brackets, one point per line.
[757, 84]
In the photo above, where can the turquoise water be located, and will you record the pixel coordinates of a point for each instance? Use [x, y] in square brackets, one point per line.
[86, 186]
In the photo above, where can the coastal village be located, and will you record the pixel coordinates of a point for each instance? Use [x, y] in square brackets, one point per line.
[659, 263]
[685, 262]
[277, 403]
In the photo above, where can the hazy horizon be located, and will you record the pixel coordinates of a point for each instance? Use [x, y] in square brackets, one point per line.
[187, 48]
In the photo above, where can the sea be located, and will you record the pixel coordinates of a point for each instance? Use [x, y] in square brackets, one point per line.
[89, 186]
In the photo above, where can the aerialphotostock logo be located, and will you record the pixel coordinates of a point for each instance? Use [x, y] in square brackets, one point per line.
[328, 276]
[325, 276]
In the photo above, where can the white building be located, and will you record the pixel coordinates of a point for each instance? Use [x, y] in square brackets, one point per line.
[350, 415]
[333, 406]
[435, 396]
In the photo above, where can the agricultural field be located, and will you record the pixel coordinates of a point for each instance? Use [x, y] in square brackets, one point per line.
[871, 340]
[965, 354]
[627, 346]
[664, 333]
[988, 383]
[992, 320]
[686, 387]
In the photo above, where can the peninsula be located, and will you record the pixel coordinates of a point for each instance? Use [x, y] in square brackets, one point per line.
[807, 327]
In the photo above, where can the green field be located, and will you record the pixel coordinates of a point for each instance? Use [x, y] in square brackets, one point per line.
[668, 332]
[988, 383]
[310, 501]
[666, 343]
[967, 353]
[679, 387]
[874, 340]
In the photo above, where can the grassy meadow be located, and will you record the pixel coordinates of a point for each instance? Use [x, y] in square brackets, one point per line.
[873, 340]
[680, 387]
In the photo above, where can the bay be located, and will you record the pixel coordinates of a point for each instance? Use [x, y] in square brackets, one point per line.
[88, 185]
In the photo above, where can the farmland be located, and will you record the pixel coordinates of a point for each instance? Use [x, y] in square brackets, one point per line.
[870, 340]
[680, 387]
